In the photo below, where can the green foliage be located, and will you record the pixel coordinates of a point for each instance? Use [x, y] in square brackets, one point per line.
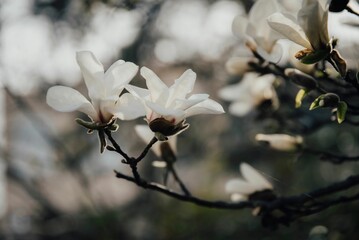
[299, 97]
[341, 111]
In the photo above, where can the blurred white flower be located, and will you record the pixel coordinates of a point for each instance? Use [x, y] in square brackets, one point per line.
[255, 27]
[104, 89]
[252, 182]
[310, 29]
[168, 107]
[281, 142]
[250, 93]
[239, 65]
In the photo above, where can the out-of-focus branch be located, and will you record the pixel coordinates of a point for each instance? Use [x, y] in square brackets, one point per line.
[331, 157]
[290, 208]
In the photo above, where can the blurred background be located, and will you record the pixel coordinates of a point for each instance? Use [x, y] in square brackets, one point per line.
[54, 183]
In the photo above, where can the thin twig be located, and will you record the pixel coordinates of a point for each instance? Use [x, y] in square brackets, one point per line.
[117, 147]
[145, 151]
[178, 180]
[331, 157]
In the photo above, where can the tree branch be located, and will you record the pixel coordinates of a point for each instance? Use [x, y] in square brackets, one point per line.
[292, 207]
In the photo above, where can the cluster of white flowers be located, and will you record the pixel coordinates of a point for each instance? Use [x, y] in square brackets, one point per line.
[306, 26]
[165, 108]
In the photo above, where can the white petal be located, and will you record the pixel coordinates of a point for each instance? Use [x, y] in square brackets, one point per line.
[261, 9]
[159, 164]
[93, 73]
[66, 99]
[208, 106]
[138, 92]
[120, 75]
[114, 65]
[238, 65]
[166, 112]
[144, 132]
[241, 108]
[254, 177]
[289, 29]
[127, 107]
[182, 86]
[272, 52]
[239, 26]
[313, 20]
[191, 101]
[231, 92]
[153, 82]
[237, 197]
[109, 78]
[239, 186]
[281, 142]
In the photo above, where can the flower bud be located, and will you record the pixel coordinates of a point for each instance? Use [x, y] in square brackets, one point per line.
[281, 142]
[159, 164]
[239, 65]
[167, 128]
[338, 5]
[325, 100]
[251, 45]
[318, 232]
[304, 80]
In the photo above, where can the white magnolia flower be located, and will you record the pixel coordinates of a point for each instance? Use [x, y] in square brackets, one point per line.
[104, 89]
[168, 107]
[255, 27]
[281, 142]
[239, 65]
[252, 182]
[249, 93]
[309, 30]
[162, 149]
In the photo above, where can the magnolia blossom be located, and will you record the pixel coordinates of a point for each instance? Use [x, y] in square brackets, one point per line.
[310, 29]
[255, 27]
[239, 65]
[281, 142]
[168, 107]
[252, 182]
[249, 93]
[165, 150]
[104, 89]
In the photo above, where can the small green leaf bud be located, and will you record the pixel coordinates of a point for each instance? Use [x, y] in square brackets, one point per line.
[299, 97]
[341, 111]
[325, 100]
